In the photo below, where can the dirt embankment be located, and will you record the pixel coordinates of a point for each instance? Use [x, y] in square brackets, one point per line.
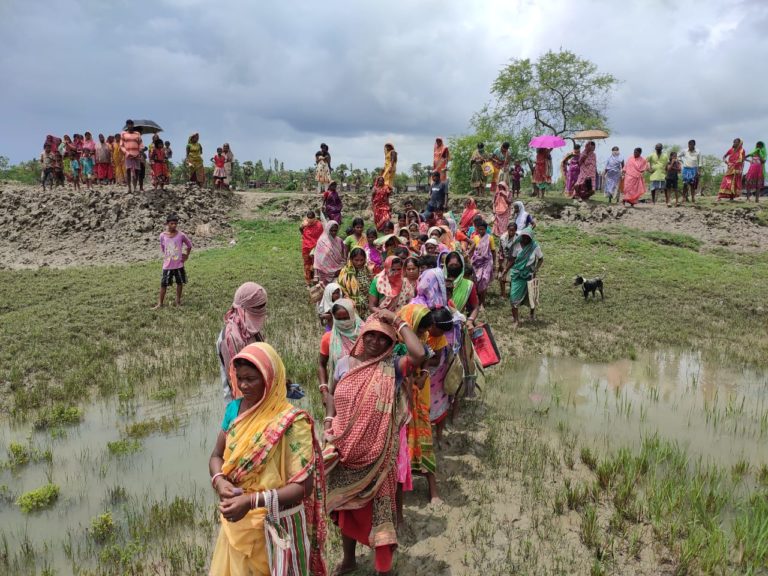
[106, 225]
[738, 226]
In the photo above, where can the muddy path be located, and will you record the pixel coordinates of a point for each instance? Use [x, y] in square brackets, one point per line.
[107, 225]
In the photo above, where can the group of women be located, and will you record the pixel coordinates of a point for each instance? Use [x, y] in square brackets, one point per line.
[395, 356]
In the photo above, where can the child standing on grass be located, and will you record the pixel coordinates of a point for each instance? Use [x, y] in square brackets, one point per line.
[311, 229]
[516, 175]
[172, 243]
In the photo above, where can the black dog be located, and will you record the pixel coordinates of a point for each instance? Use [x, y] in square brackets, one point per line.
[590, 286]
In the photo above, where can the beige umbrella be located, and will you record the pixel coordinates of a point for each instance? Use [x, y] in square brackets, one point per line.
[590, 135]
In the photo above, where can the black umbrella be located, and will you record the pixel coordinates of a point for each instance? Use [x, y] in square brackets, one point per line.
[146, 127]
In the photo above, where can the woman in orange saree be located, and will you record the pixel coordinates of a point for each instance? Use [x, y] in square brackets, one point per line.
[730, 187]
[265, 444]
[440, 157]
[382, 211]
[502, 209]
[364, 417]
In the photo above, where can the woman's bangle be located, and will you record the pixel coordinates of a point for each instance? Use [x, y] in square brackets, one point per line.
[324, 387]
[214, 477]
[255, 500]
[327, 419]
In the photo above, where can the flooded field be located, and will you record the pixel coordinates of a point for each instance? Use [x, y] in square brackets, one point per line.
[133, 491]
[710, 409]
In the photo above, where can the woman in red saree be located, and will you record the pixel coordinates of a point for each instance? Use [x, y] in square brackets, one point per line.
[382, 211]
[470, 211]
[730, 187]
[502, 209]
[364, 417]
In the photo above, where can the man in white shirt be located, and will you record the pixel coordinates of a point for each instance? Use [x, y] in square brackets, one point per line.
[691, 160]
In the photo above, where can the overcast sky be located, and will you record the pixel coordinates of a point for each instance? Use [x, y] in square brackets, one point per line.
[274, 79]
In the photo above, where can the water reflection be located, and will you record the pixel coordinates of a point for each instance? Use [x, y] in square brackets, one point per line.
[717, 411]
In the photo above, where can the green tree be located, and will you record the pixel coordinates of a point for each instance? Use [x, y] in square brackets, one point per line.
[462, 147]
[340, 173]
[401, 182]
[418, 173]
[560, 93]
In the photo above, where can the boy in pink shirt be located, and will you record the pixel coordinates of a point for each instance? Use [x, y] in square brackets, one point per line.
[172, 243]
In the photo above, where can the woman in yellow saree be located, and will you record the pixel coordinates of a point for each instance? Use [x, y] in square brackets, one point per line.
[390, 165]
[266, 444]
[429, 326]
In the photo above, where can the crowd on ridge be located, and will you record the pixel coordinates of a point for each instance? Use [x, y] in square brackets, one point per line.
[122, 159]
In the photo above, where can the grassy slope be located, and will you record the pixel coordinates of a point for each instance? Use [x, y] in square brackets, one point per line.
[63, 331]
[67, 332]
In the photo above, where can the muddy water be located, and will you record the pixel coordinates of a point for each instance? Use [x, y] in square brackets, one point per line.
[167, 465]
[715, 411]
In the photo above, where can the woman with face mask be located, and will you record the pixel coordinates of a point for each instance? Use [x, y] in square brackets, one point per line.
[338, 342]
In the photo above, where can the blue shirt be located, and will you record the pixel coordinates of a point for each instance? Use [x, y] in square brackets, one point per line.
[230, 414]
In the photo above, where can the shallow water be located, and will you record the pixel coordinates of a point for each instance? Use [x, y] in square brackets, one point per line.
[717, 412]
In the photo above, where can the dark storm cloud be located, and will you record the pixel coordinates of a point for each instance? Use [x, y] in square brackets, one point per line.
[275, 79]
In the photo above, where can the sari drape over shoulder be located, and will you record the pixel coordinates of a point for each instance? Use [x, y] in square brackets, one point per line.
[502, 209]
[634, 179]
[364, 440]
[731, 185]
[382, 212]
[355, 285]
[268, 446]
[330, 255]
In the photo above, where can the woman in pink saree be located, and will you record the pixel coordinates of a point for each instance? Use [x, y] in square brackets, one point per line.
[730, 187]
[502, 208]
[634, 174]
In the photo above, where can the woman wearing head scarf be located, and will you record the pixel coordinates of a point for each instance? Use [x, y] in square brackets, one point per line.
[730, 187]
[382, 211]
[470, 211]
[528, 258]
[390, 165]
[243, 325]
[477, 176]
[331, 294]
[506, 244]
[502, 209]
[355, 280]
[195, 160]
[332, 203]
[229, 161]
[430, 289]
[330, 255]
[364, 417]
[523, 219]
[755, 178]
[265, 445]
[338, 342]
[430, 326]
[389, 291]
[482, 254]
[440, 157]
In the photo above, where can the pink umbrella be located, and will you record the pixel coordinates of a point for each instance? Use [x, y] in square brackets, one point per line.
[547, 141]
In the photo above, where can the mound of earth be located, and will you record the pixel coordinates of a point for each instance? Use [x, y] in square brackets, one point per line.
[62, 227]
[736, 226]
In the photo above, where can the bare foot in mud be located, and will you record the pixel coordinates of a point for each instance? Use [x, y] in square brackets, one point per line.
[344, 568]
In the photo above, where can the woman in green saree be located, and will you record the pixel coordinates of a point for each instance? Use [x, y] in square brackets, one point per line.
[527, 259]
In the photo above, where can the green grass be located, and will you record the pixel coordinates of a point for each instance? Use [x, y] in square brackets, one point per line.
[661, 291]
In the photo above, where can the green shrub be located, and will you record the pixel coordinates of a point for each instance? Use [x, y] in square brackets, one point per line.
[39, 499]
